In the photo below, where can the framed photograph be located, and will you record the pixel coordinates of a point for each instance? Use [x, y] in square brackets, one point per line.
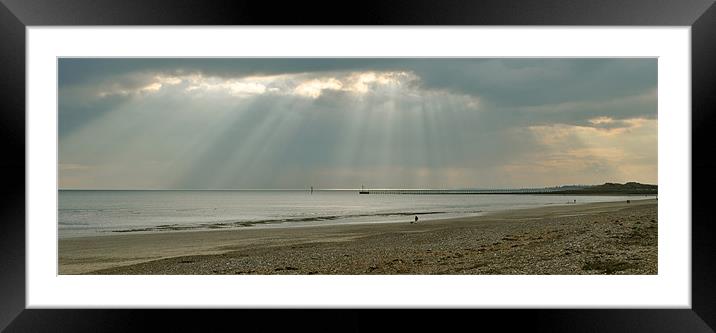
[473, 159]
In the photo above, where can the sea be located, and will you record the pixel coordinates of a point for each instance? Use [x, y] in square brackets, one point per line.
[97, 212]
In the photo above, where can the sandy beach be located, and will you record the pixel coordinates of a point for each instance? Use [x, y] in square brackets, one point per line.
[595, 238]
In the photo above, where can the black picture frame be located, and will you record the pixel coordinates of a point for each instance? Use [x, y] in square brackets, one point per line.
[16, 15]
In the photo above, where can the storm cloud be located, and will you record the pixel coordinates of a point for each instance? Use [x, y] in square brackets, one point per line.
[343, 122]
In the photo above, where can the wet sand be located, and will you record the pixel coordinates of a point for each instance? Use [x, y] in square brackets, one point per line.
[597, 238]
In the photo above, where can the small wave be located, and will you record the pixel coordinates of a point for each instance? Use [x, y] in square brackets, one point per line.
[249, 223]
[73, 223]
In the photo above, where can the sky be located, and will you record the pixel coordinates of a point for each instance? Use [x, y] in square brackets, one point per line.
[292, 123]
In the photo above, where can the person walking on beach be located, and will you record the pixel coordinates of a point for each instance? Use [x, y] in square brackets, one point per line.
[416, 219]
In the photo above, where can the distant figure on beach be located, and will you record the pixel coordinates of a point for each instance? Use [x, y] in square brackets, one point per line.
[628, 201]
[416, 219]
[575, 200]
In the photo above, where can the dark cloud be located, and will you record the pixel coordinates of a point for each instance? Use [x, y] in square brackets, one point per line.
[503, 81]
[82, 71]
[525, 82]
[505, 84]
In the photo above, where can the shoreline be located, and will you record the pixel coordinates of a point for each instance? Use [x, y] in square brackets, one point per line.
[285, 224]
[445, 246]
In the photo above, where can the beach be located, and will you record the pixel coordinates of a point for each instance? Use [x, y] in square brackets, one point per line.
[590, 238]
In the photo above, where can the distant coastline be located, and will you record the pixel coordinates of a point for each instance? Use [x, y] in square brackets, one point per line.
[612, 188]
[631, 188]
